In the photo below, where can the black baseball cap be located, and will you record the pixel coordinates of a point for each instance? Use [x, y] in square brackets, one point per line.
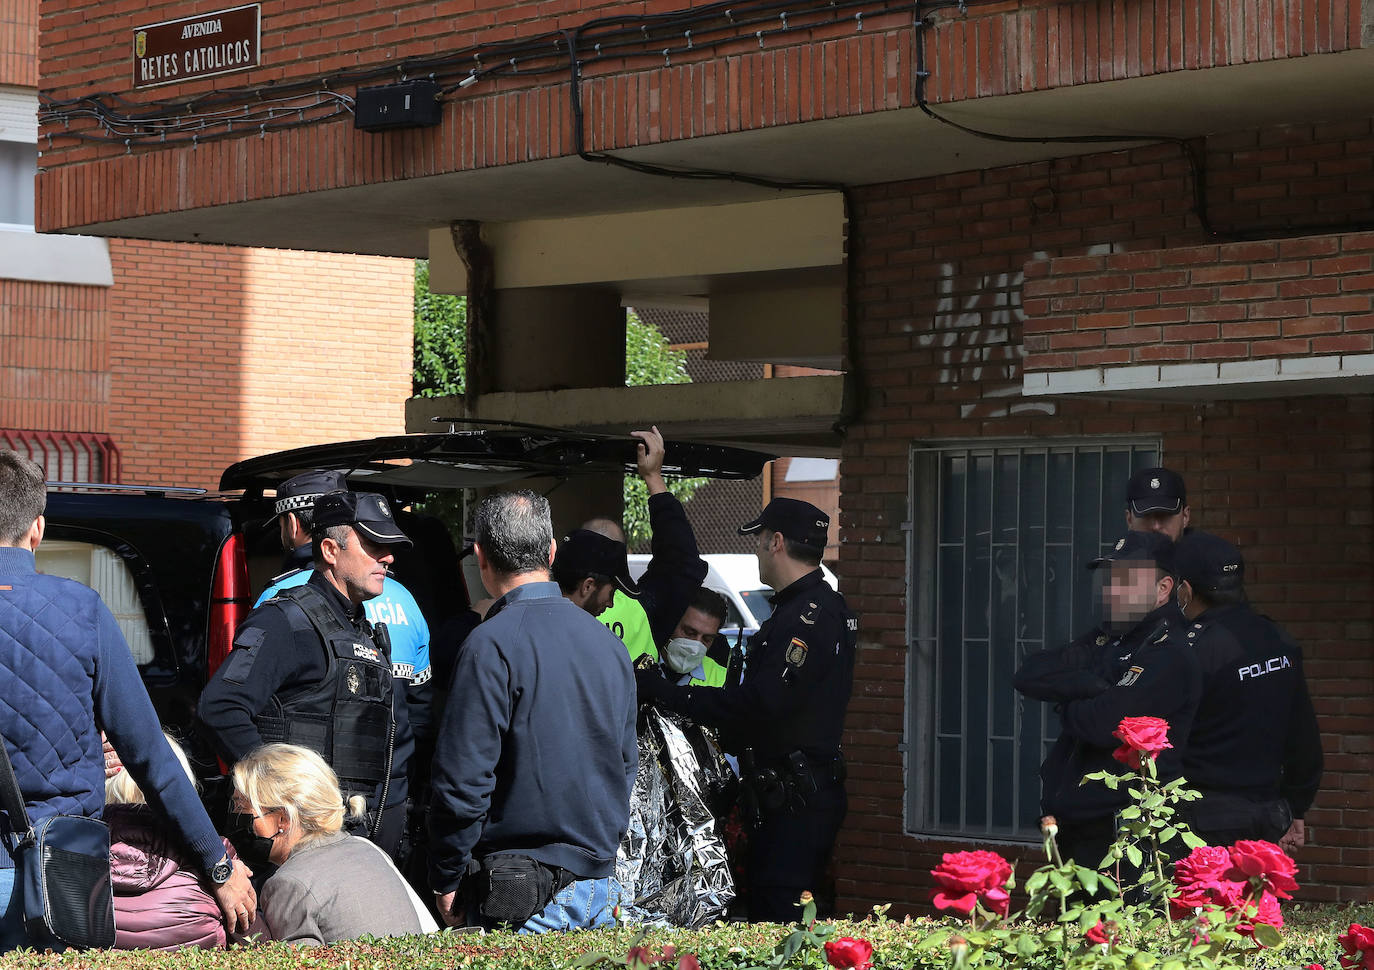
[796, 520]
[367, 512]
[585, 552]
[299, 493]
[1209, 563]
[1134, 546]
[1156, 490]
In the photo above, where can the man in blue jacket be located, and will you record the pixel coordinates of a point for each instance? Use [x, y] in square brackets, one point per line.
[68, 673]
[536, 752]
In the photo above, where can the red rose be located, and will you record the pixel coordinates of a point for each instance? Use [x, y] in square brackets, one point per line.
[1264, 860]
[1266, 911]
[1141, 737]
[964, 878]
[1359, 947]
[1098, 934]
[688, 961]
[847, 953]
[1206, 877]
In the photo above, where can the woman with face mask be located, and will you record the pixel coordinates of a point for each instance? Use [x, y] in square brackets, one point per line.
[328, 885]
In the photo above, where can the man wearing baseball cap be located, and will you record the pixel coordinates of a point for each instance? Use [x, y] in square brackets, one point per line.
[1254, 750]
[294, 511]
[786, 716]
[1157, 501]
[1132, 664]
[590, 568]
[308, 668]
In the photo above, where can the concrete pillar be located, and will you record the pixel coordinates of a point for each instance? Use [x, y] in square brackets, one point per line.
[551, 338]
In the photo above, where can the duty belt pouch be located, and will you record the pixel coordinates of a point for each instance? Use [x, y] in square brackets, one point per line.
[512, 888]
[62, 870]
[1216, 812]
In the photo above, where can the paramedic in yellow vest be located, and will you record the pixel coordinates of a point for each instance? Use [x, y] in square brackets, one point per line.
[590, 569]
[684, 657]
[675, 570]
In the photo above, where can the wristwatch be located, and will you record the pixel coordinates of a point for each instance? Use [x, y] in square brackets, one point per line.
[222, 870]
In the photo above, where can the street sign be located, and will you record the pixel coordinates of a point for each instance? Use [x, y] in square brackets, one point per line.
[194, 47]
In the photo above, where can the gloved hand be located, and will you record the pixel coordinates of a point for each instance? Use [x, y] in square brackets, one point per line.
[651, 684]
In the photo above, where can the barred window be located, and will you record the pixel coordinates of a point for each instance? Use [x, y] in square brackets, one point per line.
[1000, 535]
[67, 456]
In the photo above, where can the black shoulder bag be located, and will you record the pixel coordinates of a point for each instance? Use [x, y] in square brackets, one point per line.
[62, 873]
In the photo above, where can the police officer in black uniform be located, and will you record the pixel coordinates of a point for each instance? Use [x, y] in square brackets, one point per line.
[1254, 750]
[785, 717]
[1133, 664]
[307, 668]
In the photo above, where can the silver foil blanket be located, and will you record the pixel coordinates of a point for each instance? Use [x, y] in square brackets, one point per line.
[672, 861]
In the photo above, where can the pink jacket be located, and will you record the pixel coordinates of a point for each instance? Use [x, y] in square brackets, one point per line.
[158, 904]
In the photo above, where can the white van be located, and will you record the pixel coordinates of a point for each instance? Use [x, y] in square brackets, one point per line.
[736, 577]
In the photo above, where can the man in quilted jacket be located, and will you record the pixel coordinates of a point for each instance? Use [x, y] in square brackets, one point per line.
[68, 674]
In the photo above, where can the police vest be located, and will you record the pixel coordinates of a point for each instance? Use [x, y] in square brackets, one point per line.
[628, 621]
[346, 717]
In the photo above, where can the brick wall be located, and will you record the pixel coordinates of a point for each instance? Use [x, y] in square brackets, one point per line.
[19, 43]
[798, 75]
[218, 354]
[940, 265]
[1290, 298]
[54, 353]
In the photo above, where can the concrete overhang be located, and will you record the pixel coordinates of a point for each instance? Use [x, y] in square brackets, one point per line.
[1214, 381]
[395, 218]
[792, 416]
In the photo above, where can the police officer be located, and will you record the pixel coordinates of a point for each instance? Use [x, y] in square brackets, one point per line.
[675, 568]
[1254, 750]
[786, 716]
[1157, 501]
[308, 668]
[590, 569]
[1133, 664]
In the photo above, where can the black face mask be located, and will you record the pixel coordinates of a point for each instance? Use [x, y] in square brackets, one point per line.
[254, 849]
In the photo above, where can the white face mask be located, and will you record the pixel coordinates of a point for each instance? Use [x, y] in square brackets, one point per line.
[683, 655]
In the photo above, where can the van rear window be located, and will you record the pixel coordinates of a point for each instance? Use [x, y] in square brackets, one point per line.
[107, 574]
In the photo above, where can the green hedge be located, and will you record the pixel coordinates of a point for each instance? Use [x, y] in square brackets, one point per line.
[1309, 937]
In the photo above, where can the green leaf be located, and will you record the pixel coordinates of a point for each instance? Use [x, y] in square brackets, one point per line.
[1167, 833]
[1193, 841]
[1111, 781]
[1266, 935]
[1088, 878]
[1026, 945]
[1036, 882]
[1134, 855]
[1061, 882]
[1131, 812]
[933, 940]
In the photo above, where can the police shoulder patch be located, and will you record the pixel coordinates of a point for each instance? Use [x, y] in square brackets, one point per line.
[1130, 676]
[796, 652]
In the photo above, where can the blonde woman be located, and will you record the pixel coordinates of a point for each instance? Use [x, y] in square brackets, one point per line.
[329, 885]
[161, 901]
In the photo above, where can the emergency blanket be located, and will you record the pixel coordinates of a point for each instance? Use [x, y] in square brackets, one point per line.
[672, 861]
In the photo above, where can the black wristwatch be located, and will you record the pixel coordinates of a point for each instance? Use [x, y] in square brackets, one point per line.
[222, 870]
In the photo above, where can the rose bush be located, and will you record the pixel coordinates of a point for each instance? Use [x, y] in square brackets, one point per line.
[1267, 862]
[1140, 737]
[966, 879]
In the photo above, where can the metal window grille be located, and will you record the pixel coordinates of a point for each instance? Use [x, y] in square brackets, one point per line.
[1000, 535]
[67, 456]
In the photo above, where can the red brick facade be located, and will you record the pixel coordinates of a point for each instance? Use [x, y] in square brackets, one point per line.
[199, 356]
[1291, 480]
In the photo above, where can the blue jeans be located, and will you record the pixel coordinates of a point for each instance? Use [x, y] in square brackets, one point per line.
[12, 933]
[587, 904]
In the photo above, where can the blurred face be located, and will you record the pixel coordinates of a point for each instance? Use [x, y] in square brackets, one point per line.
[767, 547]
[1171, 524]
[358, 566]
[698, 626]
[1131, 590]
[270, 823]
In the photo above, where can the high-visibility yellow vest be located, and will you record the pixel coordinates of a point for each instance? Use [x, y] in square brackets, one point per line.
[627, 620]
[713, 674]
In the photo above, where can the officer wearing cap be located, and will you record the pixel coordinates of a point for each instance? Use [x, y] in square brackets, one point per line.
[308, 668]
[1133, 664]
[589, 568]
[294, 510]
[1254, 750]
[1157, 501]
[785, 718]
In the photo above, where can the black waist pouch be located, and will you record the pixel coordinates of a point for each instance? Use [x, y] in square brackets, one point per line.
[1240, 817]
[511, 888]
